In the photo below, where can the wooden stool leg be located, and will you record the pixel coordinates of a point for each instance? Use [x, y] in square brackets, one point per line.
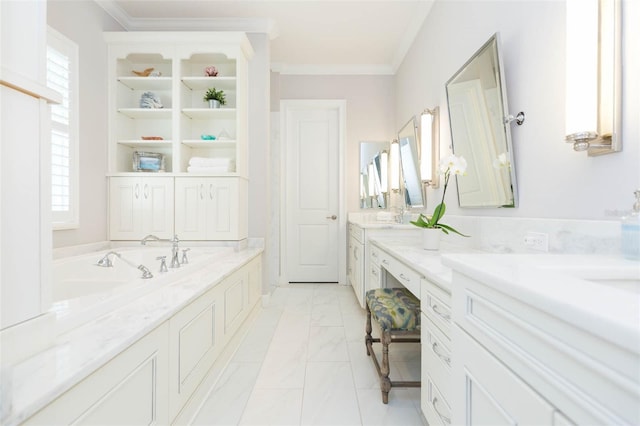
[368, 340]
[385, 382]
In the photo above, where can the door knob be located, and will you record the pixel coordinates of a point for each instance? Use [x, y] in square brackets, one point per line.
[332, 217]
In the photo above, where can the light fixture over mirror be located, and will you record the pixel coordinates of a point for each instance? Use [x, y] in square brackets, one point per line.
[593, 76]
[429, 146]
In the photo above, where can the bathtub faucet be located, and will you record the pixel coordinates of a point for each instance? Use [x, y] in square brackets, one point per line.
[175, 249]
[149, 237]
[106, 262]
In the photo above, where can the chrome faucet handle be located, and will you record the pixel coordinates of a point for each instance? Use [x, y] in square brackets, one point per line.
[146, 273]
[185, 260]
[163, 263]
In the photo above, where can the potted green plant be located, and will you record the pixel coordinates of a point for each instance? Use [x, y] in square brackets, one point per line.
[431, 224]
[216, 98]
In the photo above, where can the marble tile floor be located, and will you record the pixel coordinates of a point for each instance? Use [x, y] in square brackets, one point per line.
[303, 362]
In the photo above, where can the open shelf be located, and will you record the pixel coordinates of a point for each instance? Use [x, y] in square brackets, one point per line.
[209, 113]
[197, 143]
[150, 113]
[146, 83]
[199, 83]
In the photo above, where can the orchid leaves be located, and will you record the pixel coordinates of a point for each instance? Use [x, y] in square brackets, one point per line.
[448, 165]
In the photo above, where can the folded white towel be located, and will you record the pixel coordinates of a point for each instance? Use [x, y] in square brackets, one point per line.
[212, 169]
[207, 162]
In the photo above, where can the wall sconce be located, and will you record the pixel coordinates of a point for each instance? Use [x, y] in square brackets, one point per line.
[384, 172]
[394, 168]
[593, 79]
[429, 146]
[370, 180]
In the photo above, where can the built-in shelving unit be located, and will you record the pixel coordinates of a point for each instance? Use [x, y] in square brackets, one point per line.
[176, 122]
[180, 120]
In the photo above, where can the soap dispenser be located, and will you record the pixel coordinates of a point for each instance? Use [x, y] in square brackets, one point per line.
[631, 231]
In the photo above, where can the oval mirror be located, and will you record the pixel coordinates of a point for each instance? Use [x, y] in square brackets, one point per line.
[480, 132]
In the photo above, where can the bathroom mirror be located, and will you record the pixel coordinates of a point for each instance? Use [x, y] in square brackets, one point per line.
[410, 163]
[371, 191]
[480, 132]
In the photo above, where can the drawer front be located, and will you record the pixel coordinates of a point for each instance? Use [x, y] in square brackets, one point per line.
[434, 406]
[374, 277]
[436, 304]
[375, 255]
[406, 276]
[436, 355]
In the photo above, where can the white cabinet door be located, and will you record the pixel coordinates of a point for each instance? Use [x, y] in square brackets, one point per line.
[486, 392]
[140, 206]
[208, 208]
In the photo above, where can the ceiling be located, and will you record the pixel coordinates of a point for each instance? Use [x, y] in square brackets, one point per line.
[307, 36]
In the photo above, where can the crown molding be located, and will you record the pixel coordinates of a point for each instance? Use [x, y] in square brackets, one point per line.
[247, 25]
[268, 26]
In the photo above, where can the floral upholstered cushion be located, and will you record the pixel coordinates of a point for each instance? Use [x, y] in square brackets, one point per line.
[394, 308]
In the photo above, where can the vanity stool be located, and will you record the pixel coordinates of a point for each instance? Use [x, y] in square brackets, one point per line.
[397, 312]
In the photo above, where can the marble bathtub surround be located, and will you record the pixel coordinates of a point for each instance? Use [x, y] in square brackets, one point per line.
[40, 379]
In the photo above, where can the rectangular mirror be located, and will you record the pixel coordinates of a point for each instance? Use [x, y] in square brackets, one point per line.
[372, 191]
[477, 101]
[410, 164]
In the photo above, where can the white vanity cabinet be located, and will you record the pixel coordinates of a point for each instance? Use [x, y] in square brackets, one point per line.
[515, 361]
[363, 267]
[139, 206]
[211, 208]
[435, 398]
[355, 262]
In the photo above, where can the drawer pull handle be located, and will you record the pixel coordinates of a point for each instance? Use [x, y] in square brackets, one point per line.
[404, 277]
[385, 261]
[440, 355]
[374, 254]
[444, 418]
[444, 315]
[374, 272]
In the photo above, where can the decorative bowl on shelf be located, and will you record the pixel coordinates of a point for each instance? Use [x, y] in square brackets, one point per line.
[207, 137]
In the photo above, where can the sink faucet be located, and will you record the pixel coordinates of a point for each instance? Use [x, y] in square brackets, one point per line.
[400, 215]
[175, 249]
[149, 237]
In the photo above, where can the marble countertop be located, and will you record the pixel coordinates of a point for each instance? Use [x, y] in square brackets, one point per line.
[599, 291]
[383, 225]
[428, 263]
[37, 381]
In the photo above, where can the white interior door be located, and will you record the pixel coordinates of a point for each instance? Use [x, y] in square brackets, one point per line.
[312, 136]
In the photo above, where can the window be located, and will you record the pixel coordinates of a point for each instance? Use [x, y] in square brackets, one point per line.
[62, 76]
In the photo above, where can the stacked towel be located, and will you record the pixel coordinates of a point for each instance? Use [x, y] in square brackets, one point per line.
[209, 165]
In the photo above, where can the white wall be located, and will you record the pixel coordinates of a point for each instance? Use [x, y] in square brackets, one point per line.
[553, 180]
[83, 22]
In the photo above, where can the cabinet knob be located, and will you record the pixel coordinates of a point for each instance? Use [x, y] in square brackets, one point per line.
[332, 217]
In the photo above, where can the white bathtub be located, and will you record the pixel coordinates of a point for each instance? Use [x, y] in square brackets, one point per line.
[82, 290]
